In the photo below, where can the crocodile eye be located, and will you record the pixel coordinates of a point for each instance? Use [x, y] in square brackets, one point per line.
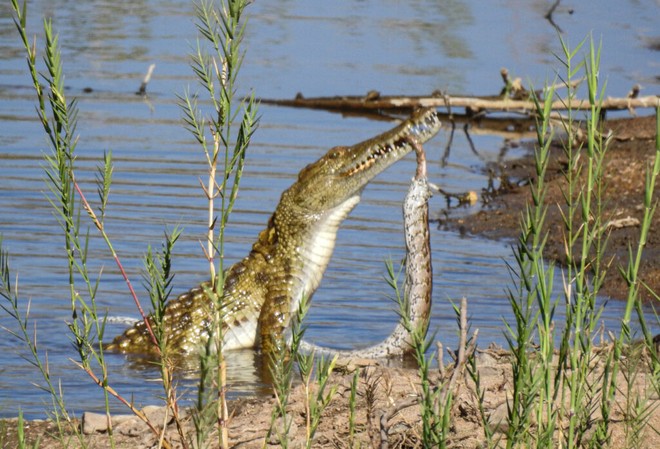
[336, 152]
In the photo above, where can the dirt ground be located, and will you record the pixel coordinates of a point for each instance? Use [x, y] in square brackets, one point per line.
[380, 418]
[631, 151]
[386, 414]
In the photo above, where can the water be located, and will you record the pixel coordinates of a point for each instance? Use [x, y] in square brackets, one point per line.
[317, 48]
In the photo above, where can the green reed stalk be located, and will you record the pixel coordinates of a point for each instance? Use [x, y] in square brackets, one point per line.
[533, 305]
[314, 375]
[221, 30]
[486, 424]
[158, 279]
[562, 395]
[572, 176]
[22, 440]
[282, 365]
[635, 258]
[352, 402]
[282, 368]
[435, 400]
[585, 247]
[26, 338]
[58, 118]
[638, 409]
[545, 413]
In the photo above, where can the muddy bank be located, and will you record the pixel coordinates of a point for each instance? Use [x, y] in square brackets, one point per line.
[629, 154]
[386, 413]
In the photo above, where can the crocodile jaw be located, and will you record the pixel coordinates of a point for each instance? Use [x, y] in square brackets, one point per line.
[344, 171]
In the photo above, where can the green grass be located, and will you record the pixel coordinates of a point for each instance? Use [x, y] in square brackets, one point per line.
[556, 398]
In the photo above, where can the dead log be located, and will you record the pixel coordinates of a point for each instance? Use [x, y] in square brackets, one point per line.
[472, 104]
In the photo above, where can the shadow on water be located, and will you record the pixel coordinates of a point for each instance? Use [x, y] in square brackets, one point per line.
[317, 48]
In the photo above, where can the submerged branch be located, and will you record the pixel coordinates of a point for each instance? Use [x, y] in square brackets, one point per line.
[473, 104]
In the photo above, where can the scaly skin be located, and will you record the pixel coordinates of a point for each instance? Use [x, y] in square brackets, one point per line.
[288, 260]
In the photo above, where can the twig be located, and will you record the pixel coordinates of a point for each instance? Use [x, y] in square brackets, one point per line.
[466, 130]
[137, 412]
[143, 87]
[386, 416]
[552, 9]
[548, 16]
[634, 93]
[450, 140]
[441, 363]
[100, 227]
[463, 352]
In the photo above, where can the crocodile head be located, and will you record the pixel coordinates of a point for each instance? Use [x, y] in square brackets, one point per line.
[343, 172]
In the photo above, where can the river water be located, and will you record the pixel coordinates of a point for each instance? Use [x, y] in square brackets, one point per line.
[313, 47]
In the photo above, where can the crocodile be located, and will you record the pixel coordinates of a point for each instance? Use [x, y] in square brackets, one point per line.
[264, 290]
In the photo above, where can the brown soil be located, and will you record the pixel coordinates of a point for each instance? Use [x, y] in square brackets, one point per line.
[383, 390]
[631, 151]
[386, 414]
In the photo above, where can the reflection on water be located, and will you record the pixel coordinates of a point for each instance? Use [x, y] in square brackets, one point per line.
[318, 48]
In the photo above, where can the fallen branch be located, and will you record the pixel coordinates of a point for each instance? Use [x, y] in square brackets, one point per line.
[548, 16]
[473, 104]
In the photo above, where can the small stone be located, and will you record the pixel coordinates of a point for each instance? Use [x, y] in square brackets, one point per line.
[157, 415]
[487, 359]
[131, 428]
[279, 430]
[497, 420]
[94, 423]
[98, 422]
